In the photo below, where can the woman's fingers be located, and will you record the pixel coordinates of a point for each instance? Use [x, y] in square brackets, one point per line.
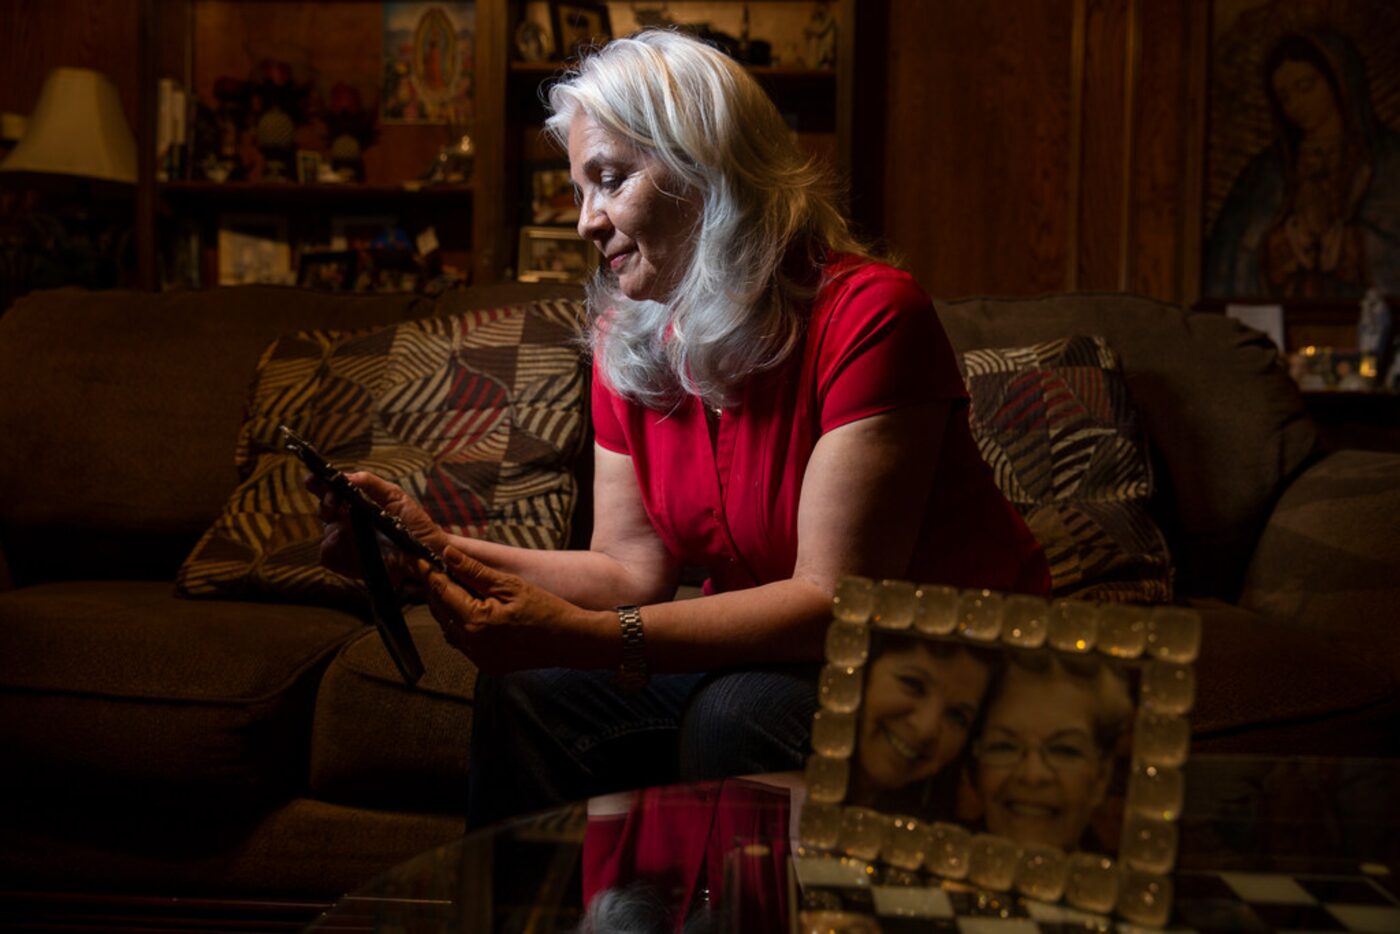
[473, 574]
[462, 590]
[379, 489]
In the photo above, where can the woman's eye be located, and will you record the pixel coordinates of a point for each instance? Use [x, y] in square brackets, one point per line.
[960, 718]
[1068, 752]
[912, 686]
[610, 181]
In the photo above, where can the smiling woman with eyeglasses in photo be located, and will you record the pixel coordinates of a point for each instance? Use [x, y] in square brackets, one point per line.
[1044, 758]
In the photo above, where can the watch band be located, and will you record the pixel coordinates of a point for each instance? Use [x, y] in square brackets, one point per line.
[632, 669]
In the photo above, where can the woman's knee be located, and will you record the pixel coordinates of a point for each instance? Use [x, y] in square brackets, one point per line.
[747, 722]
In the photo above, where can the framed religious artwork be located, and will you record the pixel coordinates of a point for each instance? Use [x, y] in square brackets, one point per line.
[1300, 174]
[1019, 744]
[428, 60]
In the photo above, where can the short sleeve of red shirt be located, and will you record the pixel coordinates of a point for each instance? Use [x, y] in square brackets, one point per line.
[607, 430]
[882, 347]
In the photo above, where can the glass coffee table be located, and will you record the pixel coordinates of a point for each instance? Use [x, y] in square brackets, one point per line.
[1266, 844]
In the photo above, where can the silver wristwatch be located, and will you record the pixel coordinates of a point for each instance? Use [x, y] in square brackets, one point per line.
[632, 669]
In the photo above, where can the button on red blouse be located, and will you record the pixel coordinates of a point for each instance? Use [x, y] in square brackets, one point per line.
[873, 343]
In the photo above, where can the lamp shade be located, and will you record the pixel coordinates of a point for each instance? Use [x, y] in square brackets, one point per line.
[77, 128]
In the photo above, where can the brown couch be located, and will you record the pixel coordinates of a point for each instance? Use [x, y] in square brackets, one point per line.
[163, 746]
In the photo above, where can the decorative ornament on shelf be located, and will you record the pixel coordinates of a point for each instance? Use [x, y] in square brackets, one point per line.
[232, 97]
[1373, 339]
[351, 128]
[280, 104]
[454, 163]
[653, 14]
[821, 37]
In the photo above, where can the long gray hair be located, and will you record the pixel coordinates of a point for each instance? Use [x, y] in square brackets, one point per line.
[768, 213]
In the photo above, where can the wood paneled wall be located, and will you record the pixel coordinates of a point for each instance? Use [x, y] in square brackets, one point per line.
[1021, 147]
[37, 36]
[1038, 147]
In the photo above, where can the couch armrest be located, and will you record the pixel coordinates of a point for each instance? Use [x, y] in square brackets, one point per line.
[1329, 557]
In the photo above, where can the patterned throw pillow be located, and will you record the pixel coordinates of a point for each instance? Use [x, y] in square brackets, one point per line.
[478, 415]
[1060, 432]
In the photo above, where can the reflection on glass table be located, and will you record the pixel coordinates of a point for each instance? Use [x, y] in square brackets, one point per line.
[1266, 844]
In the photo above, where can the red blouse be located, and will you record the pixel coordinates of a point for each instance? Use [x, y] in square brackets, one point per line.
[873, 343]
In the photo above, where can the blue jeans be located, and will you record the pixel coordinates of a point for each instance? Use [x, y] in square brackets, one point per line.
[547, 737]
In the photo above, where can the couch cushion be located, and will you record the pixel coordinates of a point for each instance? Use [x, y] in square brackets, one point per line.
[1329, 559]
[1056, 425]
[1269, 686]
[1225, 422]
[378, 742]
[305, 850]
[119, 410]
[119, 688]
[478, 415]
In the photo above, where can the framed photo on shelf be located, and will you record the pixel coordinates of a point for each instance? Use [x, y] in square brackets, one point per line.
[254, 249]
[550, 194]
[387, 271]
[332, 270]
[532, 42]
[578, 24]
[363, 232]
[554, 254]
[308, 166]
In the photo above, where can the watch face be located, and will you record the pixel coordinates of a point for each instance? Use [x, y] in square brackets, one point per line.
[532, 42]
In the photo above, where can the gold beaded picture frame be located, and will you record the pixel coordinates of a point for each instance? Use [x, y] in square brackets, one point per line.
[1003, 741]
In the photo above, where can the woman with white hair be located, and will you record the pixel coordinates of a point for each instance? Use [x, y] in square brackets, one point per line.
[770, 403]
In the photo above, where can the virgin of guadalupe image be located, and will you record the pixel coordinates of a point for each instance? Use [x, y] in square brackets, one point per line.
[1317, 213]
[436, 64]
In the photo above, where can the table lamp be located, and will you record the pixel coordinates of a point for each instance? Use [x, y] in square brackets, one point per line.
[77, 128]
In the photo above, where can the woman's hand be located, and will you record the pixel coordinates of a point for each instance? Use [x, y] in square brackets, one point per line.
[515, 625]
[338, 552]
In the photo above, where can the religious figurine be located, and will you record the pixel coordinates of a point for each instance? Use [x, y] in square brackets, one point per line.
[821, 37]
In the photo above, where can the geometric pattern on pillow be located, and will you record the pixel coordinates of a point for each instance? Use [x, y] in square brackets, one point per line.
[477, 415]
[1060, 432]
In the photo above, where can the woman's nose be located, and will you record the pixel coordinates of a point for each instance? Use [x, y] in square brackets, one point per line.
[591, 221]
[1033, 767]
[926, 724]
